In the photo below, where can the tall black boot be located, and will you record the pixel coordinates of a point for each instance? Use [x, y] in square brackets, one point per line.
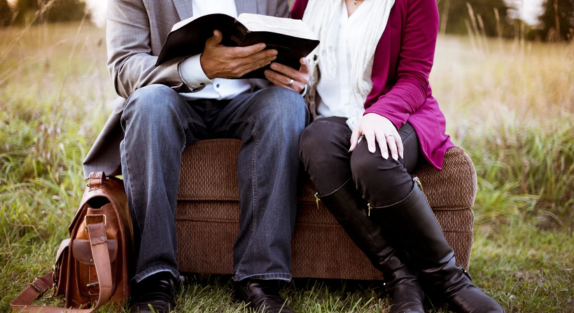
[418, 232]
[348, 207]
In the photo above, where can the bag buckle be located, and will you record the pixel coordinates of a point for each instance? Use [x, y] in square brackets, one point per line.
[90, 285]
[91, 216]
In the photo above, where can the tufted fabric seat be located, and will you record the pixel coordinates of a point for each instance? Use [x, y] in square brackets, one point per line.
[208, 214]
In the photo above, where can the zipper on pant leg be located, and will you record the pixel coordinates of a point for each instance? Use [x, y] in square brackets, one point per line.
[317, 199]
[369, 208]
[418, 181]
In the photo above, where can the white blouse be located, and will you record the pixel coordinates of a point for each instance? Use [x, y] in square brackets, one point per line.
[336, 96]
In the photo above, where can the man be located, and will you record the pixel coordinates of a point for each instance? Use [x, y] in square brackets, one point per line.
[187, 99]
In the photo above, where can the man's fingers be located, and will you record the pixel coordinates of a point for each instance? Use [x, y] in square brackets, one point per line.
[244, 52]
[392, 142]
[297, 86]
[282, 79]
[371, 143]
[257, 57]
[293, 87]
[289, 72]
[215, 39]
[304, 66]
[355, 138]
[252, 66]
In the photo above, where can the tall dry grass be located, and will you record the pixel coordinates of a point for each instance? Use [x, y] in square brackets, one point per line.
[512, 107]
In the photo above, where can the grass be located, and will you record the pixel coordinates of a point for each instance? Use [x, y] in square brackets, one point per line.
[509, 104]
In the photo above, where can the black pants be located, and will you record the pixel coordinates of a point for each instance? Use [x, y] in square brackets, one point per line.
[325, 153]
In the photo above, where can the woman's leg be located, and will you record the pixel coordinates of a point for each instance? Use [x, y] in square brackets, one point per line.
[400, 207]
[325, 154]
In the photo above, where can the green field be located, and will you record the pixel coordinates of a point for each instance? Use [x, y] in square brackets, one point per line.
[510, 104]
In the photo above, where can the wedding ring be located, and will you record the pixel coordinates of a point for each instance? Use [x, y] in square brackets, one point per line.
[290, 82]
[391, 135]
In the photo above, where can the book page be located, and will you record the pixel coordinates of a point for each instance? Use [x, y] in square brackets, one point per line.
[182, 23]
[285, 26]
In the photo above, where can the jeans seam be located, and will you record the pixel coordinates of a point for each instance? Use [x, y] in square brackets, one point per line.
[255, 204]
[130, 186]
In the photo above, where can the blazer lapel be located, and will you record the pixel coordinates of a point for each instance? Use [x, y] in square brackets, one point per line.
[184, 8]
[247, 6]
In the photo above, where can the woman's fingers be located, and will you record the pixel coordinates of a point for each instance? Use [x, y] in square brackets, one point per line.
[392, 142]
[382, 145]
[400, 147]
[371, 142]
[355, 138]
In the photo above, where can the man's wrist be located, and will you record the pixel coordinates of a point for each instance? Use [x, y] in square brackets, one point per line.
[192, 74]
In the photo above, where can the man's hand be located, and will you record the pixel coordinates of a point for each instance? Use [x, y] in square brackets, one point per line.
[379, 128]
[219, 61]
[282, 75]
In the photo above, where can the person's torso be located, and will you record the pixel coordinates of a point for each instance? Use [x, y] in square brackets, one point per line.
[335, 87]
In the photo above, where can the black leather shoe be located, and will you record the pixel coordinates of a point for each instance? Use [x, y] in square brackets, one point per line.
[156, 291]
[418, 232]
[261, 296]
[349, 209]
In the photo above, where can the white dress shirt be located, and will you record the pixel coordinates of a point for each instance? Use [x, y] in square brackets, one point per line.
[190, 69]
[337, 98]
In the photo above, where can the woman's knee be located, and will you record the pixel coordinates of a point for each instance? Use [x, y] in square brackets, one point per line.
[382, 181]
[318, 143]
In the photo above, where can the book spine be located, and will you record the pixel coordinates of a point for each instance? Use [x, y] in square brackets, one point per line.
[238, 33]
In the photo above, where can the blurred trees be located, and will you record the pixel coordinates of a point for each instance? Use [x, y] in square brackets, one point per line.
[52, 10]
[484, 16]
[557, 21]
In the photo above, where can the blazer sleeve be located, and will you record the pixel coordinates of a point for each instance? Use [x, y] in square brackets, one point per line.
[130, 60]
[415, 60]
[298, 9]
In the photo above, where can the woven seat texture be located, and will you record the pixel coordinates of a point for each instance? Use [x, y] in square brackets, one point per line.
[208, 214]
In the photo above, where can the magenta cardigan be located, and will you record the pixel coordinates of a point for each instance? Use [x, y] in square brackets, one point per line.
[403, 60]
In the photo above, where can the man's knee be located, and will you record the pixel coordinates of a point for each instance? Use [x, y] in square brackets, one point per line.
[152, 100]
[284, 106]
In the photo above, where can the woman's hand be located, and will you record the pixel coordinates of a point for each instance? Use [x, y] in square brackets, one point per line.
[281, 75]
[379, 128]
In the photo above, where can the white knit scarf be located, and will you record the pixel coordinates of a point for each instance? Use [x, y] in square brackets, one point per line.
[320, 15]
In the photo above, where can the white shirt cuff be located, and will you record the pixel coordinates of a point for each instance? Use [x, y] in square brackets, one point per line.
[192, 74]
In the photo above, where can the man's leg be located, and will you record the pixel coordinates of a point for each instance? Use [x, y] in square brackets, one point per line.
[269, 122]
[158, 125]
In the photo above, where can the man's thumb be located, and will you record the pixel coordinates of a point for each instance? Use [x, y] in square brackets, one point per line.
[215, 39]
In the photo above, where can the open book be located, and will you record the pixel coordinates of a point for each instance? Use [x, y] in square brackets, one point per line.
[291, 38]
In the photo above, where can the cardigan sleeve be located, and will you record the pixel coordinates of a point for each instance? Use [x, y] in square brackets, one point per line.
[298, 9]
[415, 62]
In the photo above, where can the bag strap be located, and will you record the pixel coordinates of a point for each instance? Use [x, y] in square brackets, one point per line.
[101, 255]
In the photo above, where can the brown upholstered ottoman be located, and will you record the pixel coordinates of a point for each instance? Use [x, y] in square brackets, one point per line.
[208, 213]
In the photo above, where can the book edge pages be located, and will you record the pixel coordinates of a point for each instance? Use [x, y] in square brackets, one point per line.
[188, 20]
[303, 32]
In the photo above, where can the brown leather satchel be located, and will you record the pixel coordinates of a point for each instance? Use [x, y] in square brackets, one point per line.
[92, 266]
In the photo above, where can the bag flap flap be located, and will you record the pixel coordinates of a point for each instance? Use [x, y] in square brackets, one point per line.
[82, 250]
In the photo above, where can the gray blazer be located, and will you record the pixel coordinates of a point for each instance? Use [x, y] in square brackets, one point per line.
[136, 30]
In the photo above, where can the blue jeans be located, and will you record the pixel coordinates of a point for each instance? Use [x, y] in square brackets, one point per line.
[159, 124]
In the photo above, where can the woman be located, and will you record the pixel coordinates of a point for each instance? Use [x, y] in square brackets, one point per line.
[369, 80]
